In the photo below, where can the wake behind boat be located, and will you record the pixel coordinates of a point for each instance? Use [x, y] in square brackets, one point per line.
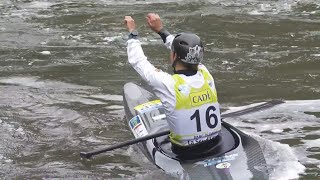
[235, 155]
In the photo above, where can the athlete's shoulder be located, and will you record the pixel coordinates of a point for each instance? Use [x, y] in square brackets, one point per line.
[161, 77]
[202, 67]
[161, 73]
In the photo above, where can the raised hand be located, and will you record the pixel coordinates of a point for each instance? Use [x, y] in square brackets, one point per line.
[154, 22]
[129, 22]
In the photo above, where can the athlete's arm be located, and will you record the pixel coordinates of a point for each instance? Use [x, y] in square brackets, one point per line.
[156, 25]
[159, 80]
[140, 62]
[153, 76]
[166, 37]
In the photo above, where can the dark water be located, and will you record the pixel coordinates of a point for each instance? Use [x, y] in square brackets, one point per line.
[63, 64]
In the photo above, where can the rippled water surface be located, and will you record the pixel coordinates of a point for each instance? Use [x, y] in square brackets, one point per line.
[63, 65]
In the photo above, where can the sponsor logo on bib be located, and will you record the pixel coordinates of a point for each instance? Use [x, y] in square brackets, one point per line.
[200, 98]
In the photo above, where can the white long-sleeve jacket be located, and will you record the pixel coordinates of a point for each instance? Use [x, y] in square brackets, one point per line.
[163, 85]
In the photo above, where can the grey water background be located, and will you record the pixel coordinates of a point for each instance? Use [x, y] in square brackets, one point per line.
[63, 65]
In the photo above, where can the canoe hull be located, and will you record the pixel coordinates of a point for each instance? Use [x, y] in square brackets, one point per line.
[236, 156]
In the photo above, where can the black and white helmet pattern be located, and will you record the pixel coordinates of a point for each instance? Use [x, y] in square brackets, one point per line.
[188, 47]
[194, 56]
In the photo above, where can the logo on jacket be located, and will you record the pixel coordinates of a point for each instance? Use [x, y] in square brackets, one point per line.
[184, 89]
[195, 54]
[199, 98]
[210, 83]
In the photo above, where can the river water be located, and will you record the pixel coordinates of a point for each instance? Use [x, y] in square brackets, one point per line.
[63, 64]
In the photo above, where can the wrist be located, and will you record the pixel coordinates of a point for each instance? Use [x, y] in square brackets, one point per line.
[131, 29]
[157, 30]
[164, 34]
[133, 34]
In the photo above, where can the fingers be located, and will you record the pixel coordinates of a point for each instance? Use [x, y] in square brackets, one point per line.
[153, 17]
[148, 18]
[149, 15]
[129, 23]
[127, 19]
[153, 21]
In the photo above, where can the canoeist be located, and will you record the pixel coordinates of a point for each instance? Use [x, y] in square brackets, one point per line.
[189, 95]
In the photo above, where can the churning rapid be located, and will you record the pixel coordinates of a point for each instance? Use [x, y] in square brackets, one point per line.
[63, 65]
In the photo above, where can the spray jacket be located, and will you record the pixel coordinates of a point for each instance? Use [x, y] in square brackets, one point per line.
[190, 101]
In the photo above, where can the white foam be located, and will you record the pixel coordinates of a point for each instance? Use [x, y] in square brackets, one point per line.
[45, 52]
[313, 76]
[117, 2]
[312, 143]
[114, 107]
[108, 97]
[77, 37]
[39, 5]
[277, 130]
[255, 12]
[286, 122]
[81, 100]
[281, 160]
[92, 140]
[290, 115]
[112, 38]
[5, 159]
[289, 107]
[277, 127]
[20, 130]
[8, 160]
[36, 82]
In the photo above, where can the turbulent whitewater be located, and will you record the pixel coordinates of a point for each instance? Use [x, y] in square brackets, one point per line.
[63, 65]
